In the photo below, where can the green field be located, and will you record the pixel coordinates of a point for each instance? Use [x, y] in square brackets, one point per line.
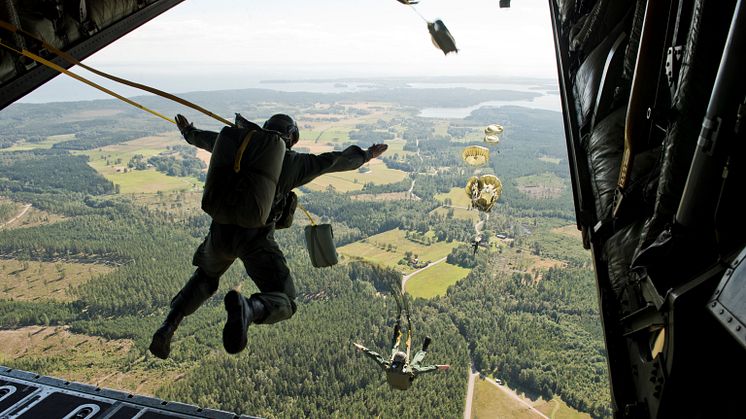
[434, 281]
[110, 161]
[458, 197]
[461, 213]
[353, 180]
[491, 402]
[47, 143]
[373, 249]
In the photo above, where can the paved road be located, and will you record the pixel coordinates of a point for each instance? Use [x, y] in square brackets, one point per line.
[405, 278]
[20, 214]
[470, 393]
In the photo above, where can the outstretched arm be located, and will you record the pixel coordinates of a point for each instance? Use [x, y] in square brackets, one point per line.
[417, 370]
[381, 361]
[196, 137]
[310, 166]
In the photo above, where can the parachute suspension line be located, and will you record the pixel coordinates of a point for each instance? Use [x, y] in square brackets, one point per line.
[73, 61]
[54, 66]
[409, 324]
[418, 13]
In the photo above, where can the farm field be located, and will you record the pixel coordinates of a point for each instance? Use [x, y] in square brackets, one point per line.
[375, 249]
[111, 162]
[435, 280]
[457, 196]
[379, 174]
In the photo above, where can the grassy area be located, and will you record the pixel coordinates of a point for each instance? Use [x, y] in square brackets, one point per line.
[563, 243]
[542, 186]
[491, 402]
[74, 357]
[457, 196]
[549, 159]
[434, 281]
[111, 161]
[558, 409]
[379, 174]
[461, 213]
[45, 144]
[31, 281]
[375, 249]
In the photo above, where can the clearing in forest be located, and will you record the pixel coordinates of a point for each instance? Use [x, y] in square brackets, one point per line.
[82, 358]
[542, 186]
[435, 280]
[456, 197]
[23, 280]
[390, 247]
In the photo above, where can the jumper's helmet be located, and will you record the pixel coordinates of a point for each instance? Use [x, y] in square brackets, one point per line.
[286, 126]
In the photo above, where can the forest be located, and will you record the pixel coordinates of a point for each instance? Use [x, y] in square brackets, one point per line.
[538, 330]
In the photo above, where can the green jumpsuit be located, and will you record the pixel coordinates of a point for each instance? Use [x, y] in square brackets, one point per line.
[400, 373]
[256, 247]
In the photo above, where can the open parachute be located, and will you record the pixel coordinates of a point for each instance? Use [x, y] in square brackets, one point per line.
[483, 191]
[492, 133]
[475, 155]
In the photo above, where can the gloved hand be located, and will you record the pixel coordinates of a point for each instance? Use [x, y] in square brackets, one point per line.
[183, 124]
[376, 150]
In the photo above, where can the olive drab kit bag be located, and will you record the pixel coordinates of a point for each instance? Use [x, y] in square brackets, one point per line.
[320, 245]
[242, 176]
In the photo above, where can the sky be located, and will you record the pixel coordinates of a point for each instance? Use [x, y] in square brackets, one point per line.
[224, 44]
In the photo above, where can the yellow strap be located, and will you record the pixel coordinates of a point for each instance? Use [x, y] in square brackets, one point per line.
[241, 149]
[54, 66]
[72, 60]
[308, 214]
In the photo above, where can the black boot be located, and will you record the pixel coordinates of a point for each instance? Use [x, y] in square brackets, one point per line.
[426, 343]
[160, 346]
[241, 313]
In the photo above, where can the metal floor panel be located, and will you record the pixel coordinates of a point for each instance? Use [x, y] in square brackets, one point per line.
[25, 395]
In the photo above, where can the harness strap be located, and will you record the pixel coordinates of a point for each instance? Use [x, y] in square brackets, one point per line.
[241, 149]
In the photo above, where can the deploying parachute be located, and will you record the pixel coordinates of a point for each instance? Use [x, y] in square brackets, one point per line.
[492, 132]
[475, 155]
[483, 191]
[439, 34]
[441, 37]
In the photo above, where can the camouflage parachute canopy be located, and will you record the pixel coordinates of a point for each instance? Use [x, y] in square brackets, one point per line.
[475, 155]
[441, 37]
[484, 191]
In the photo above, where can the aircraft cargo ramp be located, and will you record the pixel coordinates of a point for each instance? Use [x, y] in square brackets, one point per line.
[27, 395]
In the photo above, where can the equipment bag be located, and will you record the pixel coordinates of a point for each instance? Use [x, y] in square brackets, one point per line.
[242, 177]
[320, 244]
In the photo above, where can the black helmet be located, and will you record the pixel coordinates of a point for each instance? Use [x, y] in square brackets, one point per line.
[286, 126]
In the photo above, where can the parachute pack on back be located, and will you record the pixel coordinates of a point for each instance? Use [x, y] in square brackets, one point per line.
[242, 177]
